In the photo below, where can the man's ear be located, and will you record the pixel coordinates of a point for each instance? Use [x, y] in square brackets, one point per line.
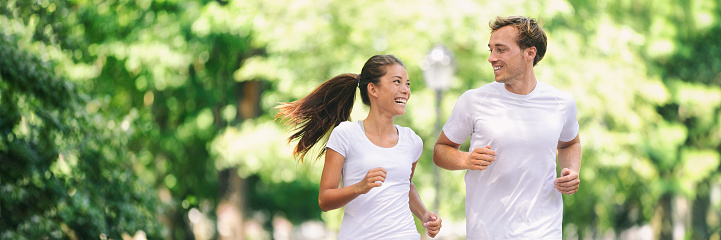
[531, 52]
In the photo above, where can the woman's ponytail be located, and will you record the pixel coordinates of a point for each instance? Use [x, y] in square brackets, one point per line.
[313, 116]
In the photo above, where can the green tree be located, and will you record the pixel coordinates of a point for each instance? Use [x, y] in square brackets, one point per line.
[163, 72]
[183, 92]
[693, 71]
[637, 161]
[62, 170]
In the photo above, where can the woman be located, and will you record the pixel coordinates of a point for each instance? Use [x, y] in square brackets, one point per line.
[375, 157]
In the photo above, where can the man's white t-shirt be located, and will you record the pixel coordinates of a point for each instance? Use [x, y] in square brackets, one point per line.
[383, 212]
[514, 198]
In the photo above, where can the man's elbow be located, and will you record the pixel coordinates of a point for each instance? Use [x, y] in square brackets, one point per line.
[569, 146]
[441, 156]
[437, 149]
[575, 142]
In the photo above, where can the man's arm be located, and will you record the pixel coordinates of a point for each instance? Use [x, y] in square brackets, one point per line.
[569, 159]
[446, 155]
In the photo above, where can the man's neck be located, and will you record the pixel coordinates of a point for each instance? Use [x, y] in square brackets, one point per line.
[522, 86]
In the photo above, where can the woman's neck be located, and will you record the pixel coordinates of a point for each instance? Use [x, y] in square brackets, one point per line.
[378, 125]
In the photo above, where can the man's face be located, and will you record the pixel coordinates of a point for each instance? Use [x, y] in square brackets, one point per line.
[508, 60]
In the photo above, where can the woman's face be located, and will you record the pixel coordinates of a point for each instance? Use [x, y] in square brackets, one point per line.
[393, 90]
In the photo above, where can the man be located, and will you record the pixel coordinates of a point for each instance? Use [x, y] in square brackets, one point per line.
[518, 127]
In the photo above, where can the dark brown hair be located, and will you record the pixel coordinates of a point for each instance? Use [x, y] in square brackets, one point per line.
[329, 104]
[530, 33]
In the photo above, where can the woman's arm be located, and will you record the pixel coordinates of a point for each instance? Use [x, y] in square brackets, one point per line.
[430, 220]
[330, 196]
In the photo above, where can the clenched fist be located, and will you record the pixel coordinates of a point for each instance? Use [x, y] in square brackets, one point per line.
[374, 178]
[480, 158]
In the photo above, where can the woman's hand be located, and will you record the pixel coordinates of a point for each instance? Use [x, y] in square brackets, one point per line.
[374, 178]
[432, 223]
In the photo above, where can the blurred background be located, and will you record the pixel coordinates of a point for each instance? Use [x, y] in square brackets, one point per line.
[154, 119]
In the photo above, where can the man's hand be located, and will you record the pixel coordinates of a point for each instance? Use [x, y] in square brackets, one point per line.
[480, 158]
[568, 183]
[432, 223]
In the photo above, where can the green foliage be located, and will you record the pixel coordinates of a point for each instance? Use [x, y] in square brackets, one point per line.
[604, 52]
[126, 100]
[62, 171]
[296, 204]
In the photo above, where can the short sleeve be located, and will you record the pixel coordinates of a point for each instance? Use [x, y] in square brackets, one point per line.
[338, 140]
[417, 147]
[460, 124]
[570, 125]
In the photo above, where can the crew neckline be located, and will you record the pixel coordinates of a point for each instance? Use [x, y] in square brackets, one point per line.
[502, 89]
[363, 131]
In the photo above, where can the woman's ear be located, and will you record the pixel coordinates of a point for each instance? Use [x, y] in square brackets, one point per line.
[372, 90]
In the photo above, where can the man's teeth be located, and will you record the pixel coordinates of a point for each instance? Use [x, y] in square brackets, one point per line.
[403, 101]
[496, 68]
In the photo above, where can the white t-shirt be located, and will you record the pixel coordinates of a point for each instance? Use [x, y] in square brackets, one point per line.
[514, 198]
[383, 212]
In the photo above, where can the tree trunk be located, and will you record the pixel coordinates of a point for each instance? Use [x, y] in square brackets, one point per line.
[699, 211]
[232, 188]
[663, 218]
[249, 102]
[231, 207]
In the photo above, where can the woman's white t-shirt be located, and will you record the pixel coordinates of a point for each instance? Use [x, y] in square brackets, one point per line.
[383, 212]
[514, 198]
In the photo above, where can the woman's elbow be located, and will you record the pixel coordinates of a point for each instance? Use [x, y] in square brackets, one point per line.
[323, 206]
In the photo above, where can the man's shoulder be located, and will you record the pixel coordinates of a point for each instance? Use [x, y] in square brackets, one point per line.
[491, 86]
[482, 90]
[551, 90]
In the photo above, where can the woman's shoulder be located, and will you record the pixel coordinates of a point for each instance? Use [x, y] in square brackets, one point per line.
[407, 131]
[345, 126]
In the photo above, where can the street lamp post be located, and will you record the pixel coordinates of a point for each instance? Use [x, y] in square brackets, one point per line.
[438, 70]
